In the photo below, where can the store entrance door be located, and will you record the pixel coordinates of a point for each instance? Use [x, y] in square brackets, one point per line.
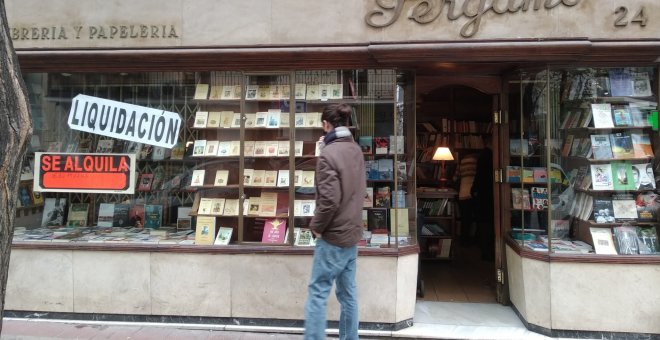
[464, 112]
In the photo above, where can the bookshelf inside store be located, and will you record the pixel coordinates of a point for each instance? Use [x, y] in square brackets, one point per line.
[243, 168]
[596, 170]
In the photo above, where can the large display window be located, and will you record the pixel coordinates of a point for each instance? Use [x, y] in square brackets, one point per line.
[239, 170]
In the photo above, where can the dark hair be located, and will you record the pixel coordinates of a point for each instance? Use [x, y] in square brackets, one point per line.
[337, 114]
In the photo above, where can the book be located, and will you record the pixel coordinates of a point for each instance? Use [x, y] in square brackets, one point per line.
[274, 231]
[620, 82]
[270, 178]
[313, 92]
[381, 145]
[622, 176]
[153, 216]
[145, 182]
[303, 237]
[105, 215]
[231, 207]
[300, 90]
[183, 218]
[626, 240]
[283, 178]
[223, 237]
[622, 146]
[639, 115]
[226, 119]
[283, 148]
[229, 92]
[382, 197]
[251, 92]
[136, 215]
[201, 91]
[647, 240]
[199, 147]
[643, 176]
[366, 143]
[77, 216]
[647, 206]
[602, 115]
[221, 177]
[160, 153]
[513, 174]
[298, 148]
[205, 230]
[268, 204]
[368, 201]
[602, 240]
[223, 148]
[603, 211]
[260, 119]
[378, 220]
[258, 177]
[540, 175]
[213, 120]
[308, 178]
[641, 145]
[271, 148]
[197, 178]
[120, 219]
[236, 120]
[601, 177]
[250, 120]
[247, 176]
[520, 198]
[299, 119]
[273, 119]
[399, 222]
[539, 198]
[641, 84]
[560, 229]
[201, 119]
[105, 145]
[217, 206]
[566, 149]
[600, 145]
[397, 145]
[621, 115]
[624, 207]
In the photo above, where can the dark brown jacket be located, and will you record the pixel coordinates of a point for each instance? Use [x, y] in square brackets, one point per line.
[340, 189]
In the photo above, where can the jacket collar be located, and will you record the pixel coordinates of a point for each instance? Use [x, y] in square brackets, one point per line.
[338, 132]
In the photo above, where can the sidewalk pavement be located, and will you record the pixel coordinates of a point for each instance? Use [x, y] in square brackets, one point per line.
[432, 320]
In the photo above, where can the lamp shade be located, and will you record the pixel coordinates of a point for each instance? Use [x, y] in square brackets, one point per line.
[443, 154]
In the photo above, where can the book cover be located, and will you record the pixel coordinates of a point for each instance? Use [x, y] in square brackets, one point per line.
[223, 237]
[300, 90]
[120, 218]
[601, 177]
[560, 229]
[540, 175]
[153, 216]
[160, 153]
[575, 146]
[647, 206]
[382, 197]
[145, 182]
[397, 145]
[273, 119]
[250, 120]
[183, 218]
[226, 119]
[621, 115]
[236, 120]
[223, 149]
[641, 145]
[105, 145]
[584, 149]
[640, 116]
[215, 92]
[271, 148]
[78, 213]
[520, 198]
[136, 215]
[624, 207]
[313, 92]
[247, 176]
[259, 148]
[622, 175]
[308, 178]
[283, 178]
[106, 215]
[205, 230]
[307, 207]
[231, 207]
[313, 119]
[274, 231]
[201, 91]
[647, 240]
[229, 92]
[602, 240]
[513, 174]
[368, 198]
[268, 204]
[603, 210]
[260, 119]
[213, 120]
[620, 82]
[270, 178]
[602, 115]
[641, 84]
[643, 176]
[217, 206]
[568, 144]
[381, 145]
[600, 145]
[622, 146]
[251, 92]
[385, 168]
[366, 143]
[283, 148]
[539, 198]
[197, 178]
[399, 222]
[201, 119]
[221, 177]
[199, 147]
[527, 174]
[303, 237]
[378, 220]
[299, 119]
[258, 177]
[626, 240]
[298, 148]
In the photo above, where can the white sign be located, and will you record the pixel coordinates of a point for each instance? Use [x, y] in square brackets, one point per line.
[124, 121]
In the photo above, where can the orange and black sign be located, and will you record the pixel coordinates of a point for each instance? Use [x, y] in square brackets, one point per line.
[94, 173]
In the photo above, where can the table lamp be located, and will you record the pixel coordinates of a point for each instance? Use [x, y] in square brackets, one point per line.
[442, 153]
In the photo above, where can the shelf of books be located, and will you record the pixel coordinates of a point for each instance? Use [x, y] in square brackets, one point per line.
[604, 150]
[438, 229]
[242, 170]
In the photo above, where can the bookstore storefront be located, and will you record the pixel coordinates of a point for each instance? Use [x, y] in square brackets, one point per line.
[171, 172]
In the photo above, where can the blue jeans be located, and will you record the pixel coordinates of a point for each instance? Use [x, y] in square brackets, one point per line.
[332, 263]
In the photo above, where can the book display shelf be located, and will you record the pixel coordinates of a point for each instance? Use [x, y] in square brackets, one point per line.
[243, 167]
[593, 189]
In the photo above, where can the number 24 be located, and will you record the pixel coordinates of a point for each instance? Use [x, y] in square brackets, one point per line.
[622, 12]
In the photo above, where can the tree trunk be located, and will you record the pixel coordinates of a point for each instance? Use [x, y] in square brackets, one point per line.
[15, 131]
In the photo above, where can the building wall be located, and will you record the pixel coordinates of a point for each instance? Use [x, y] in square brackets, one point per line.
[190, 23]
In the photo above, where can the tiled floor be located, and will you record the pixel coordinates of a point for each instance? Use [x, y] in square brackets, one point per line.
[466, 278]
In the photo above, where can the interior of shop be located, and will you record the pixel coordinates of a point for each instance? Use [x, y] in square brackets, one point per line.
[456, 243]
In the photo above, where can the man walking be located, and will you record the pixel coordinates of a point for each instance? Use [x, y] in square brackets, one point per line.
[337, 224]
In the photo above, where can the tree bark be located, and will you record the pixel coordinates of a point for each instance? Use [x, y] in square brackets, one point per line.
[15, 132]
